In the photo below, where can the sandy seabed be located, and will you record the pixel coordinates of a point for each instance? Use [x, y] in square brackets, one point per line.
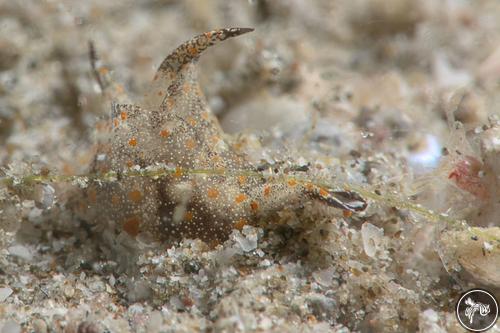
[396, 100]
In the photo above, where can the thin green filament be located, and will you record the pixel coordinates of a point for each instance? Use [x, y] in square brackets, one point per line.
[385, 199]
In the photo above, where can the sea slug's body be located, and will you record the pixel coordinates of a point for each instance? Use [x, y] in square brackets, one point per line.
[173, 128]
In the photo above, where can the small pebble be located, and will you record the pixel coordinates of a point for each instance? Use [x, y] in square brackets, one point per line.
[39, 326]
[11, 327]
[138, 291]
[5, 293]
[372, 238]
[21, 252]
[44, 196]
[88, 327]
[155, 321]
[69, 291]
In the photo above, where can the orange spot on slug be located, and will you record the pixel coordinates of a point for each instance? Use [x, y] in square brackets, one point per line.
[178, 172]
[346, 213]
[115, 200]
[267, 191]
[254, 205]
[132, 142]
[240, 224]
[323, 192]
[191, 121]
[242, 180]
[212, 193]
[188, 216]
[119, 89]
[170, 103]
[92, 195]
[240, 198]
[135, 196]
[190, 144]
[131, 226]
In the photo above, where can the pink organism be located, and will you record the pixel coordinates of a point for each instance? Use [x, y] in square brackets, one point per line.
[466, 175]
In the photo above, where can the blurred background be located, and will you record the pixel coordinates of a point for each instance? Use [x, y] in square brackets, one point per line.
[342, 58]
[396, 72]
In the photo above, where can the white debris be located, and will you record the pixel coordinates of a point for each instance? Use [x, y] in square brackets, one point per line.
[44, 196]
[429, 322]
[11, 327]
[155, 321]
[39, 326]
[447, 76]
[427, 156]
[325, 276]
[5, 293]
[21, 252]
[372, 238]
[248, 240]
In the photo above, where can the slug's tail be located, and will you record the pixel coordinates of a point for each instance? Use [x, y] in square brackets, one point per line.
[186, 53]
[346, 200]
